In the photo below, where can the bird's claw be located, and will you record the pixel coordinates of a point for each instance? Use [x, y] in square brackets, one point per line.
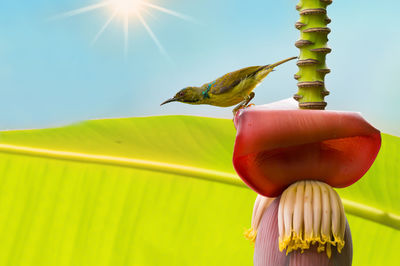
[244, 104]
[237, 108]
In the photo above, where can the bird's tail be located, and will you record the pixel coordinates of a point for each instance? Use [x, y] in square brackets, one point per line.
[281, 62]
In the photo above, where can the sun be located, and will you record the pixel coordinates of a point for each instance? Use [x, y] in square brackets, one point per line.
[126, 9]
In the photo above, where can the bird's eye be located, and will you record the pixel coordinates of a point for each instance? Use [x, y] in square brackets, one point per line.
[181, 93]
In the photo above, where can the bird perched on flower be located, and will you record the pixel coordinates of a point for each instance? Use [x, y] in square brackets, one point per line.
[233, 88]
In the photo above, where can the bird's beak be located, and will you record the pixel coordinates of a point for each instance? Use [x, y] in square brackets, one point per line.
[169, 100]
[281, 62]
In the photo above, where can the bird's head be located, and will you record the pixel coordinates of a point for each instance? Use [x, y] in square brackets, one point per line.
[190, 95]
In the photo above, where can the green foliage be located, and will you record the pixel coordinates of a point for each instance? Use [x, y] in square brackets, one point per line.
[163, 193]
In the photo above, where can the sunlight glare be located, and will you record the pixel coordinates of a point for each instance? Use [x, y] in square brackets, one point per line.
[126, 7]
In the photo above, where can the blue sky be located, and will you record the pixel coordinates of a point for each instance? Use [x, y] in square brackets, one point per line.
[51, 74]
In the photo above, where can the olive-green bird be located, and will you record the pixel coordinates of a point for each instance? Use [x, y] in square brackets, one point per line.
[233, 88]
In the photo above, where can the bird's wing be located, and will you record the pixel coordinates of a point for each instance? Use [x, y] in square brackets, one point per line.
[228, 81]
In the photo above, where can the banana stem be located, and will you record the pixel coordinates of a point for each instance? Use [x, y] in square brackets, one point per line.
[313, 49]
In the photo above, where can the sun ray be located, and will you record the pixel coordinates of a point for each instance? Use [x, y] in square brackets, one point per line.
[82, 10]
[104, 27]
[169, 11]
[125, 9]
[152, 35]
[145, 10]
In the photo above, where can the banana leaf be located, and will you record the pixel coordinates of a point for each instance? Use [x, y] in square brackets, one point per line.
[157, 191]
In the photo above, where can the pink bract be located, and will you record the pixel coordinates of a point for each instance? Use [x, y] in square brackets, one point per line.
[275, 148]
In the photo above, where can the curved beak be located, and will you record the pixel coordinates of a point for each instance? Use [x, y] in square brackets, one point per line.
[281, 62]
[169, 100]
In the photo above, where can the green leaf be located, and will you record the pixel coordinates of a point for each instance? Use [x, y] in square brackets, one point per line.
[156, 191]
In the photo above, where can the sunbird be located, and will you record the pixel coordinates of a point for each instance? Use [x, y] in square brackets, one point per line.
[232, 88]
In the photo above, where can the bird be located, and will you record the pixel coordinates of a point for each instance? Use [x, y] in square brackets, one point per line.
[231, 89]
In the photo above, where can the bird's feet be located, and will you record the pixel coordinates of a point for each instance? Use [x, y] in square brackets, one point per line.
[244, 104]
[241, 106]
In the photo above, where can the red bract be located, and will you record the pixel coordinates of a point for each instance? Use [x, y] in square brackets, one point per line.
[275, 148]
